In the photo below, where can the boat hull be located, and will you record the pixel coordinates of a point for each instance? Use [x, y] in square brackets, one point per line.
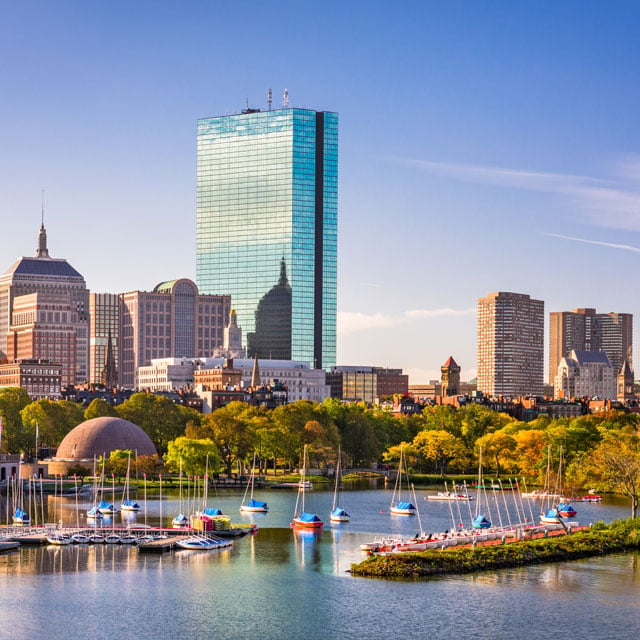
[396, 511]
[301, 524]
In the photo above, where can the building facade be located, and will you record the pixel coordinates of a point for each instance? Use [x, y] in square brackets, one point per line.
[41, 329]
[104, 326]
[46, 275]
[41, 379]
[267, 186]
[172, 321]
[510, 345]
[587, 330]
[366, 384]
[585, 374]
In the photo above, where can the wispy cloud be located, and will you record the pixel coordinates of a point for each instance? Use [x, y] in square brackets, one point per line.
[350, 322]
[612, 245]
[613, 203]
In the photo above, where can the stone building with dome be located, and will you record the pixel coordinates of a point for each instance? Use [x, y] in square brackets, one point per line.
[44, 313]
[99, 437]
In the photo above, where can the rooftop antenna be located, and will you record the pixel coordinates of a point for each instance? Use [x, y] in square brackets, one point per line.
[246, 103]
[286, 98]
[42, 221]
[269, 97]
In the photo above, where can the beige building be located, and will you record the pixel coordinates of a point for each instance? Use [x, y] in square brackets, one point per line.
[51, 276]
[172, 321]
[585, 374]
[586, 330]
[510, 345]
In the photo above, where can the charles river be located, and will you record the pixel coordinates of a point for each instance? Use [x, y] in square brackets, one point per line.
[279, 584]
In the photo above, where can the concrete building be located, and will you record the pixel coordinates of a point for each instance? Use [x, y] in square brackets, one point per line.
[172, 321]
[222, 374]
[267, 196]
[51, 276]
[585, 374]
[510, 345]
[586, 330]
[41, 379]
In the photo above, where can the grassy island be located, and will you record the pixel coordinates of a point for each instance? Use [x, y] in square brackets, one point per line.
[621, 535]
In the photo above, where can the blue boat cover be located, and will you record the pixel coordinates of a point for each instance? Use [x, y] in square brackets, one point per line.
[180, 518]
[481, 522]
[566, 508]
[551, 513]
[93, 511]
[105, 505]
[212, 512]
[256, 503]
[339, 511]
[404, 505]
[309, 517]
[20, 513]
[130, 503]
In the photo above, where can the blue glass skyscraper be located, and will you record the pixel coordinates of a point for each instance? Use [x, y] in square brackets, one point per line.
[267, 194]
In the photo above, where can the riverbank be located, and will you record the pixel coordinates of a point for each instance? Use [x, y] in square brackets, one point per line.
[621, 535]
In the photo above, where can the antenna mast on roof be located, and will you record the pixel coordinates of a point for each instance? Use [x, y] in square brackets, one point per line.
[42, 221]
[286, 98]
[269, 97]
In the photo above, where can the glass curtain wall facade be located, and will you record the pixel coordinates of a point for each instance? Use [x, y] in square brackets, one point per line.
[267, 227]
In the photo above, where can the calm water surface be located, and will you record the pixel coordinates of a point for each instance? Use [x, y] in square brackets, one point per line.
[282, 584]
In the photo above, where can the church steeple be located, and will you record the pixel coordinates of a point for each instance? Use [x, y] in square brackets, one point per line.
[255, 374]
[283, 282]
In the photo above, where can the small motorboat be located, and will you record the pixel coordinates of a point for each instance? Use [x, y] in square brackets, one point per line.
[59, 538]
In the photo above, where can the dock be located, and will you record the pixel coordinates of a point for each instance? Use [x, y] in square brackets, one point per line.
[8, 546]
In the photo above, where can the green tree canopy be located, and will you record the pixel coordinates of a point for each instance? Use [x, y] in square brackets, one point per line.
[193, 455]
[99, 408]
[12, 401]
[53, 420]
[441, 448]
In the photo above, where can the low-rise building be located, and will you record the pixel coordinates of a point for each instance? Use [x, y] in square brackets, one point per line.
[41, 379]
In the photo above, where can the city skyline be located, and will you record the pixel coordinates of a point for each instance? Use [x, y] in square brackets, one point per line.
[482, 149]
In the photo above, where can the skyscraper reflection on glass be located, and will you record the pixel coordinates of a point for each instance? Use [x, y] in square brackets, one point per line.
[267, 192]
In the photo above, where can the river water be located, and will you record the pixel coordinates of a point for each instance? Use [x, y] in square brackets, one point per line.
[280, 584]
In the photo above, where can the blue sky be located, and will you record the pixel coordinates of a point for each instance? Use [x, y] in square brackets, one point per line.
[484, 146]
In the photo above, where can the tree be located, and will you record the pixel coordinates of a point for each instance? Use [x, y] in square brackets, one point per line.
[160, 418]
[52, 421]
[195, 456]
[98, 409]
[441, 447]
[616, 462]
[499, 446]
[78, 470]
[12, 401]
[119, 461]
[228, 428]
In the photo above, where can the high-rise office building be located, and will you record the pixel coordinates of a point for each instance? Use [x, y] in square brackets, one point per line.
[510, 344]
[586, 330]
[267, 227]
[50, 276]
[172, 321]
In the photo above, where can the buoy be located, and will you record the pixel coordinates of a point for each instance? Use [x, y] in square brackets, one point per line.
[381, 510]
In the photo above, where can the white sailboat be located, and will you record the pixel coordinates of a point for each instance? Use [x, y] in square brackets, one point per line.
[180, 520]
[128, 504]
[338, 514]
[253, 506]
[399, 506]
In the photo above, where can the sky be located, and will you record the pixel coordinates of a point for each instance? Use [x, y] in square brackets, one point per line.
[483, 146]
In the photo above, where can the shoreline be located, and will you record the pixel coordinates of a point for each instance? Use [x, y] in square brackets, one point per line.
[600, 539]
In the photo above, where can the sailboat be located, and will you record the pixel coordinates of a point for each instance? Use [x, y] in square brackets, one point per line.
[338, 514]
[398, 506]
[301, 518]
[128, 504]
[480, 521]
[554, 513]
[180, 520]
[253, 506]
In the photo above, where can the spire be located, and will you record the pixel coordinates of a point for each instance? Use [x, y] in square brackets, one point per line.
[233, 319]
[42, 251]
[283, 282]
[109, 372]
[255, 374]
